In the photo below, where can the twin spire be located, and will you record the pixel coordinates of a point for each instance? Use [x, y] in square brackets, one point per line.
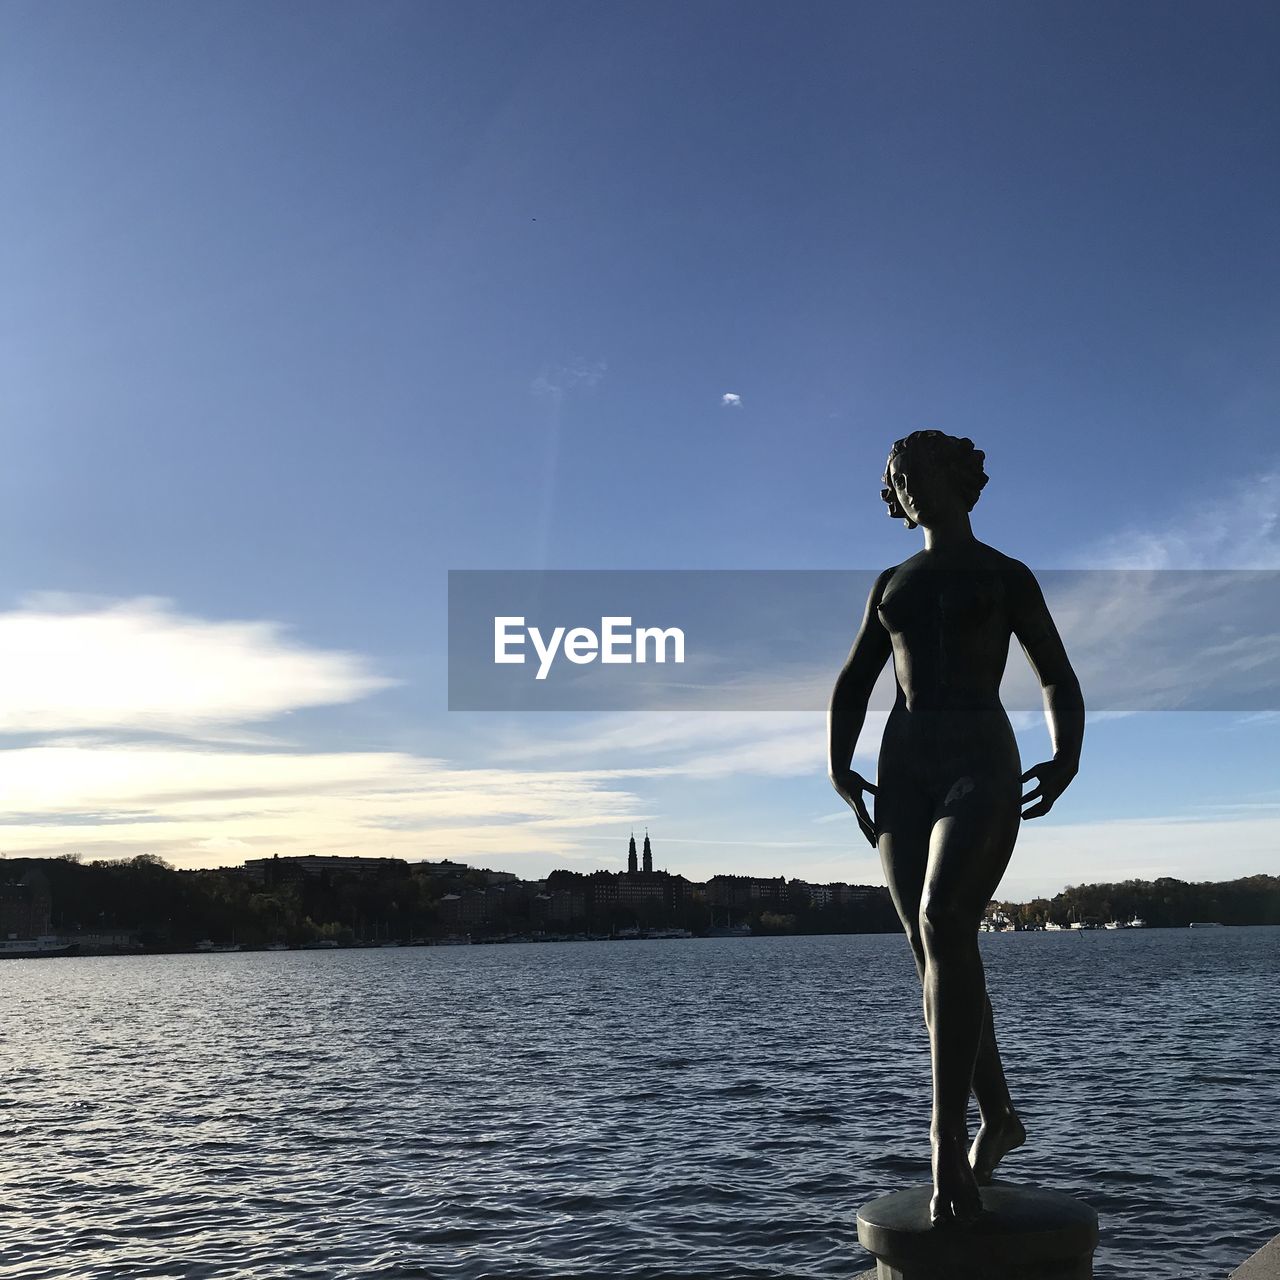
[631, 854]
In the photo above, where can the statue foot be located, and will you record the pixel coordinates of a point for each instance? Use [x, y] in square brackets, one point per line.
[995, 1139]
[956, 1198]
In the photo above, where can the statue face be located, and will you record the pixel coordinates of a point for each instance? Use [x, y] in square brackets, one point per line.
[904, 484]
[923, 493]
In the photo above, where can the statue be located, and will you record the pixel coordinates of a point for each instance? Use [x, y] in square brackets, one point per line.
[948, 795]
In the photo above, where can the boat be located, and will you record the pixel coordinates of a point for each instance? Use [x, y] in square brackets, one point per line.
[47, 944]
[728, 929]
[1205, 924]
[320, 944]
[1136, 923]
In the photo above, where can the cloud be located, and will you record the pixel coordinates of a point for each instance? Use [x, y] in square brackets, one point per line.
[697, 744]
[200, 807]
[67, 663]
[557, 381]
[731, 400]
[1240, 530]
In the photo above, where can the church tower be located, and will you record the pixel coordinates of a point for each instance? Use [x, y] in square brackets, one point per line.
[648, 854]
[631, 854]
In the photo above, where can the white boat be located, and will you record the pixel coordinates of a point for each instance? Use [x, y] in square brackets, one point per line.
[47, 944]
[1136, 923]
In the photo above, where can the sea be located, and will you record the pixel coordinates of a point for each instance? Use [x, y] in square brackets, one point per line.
[640, 1110]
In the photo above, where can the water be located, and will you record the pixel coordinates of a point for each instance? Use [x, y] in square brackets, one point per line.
[703, 1108]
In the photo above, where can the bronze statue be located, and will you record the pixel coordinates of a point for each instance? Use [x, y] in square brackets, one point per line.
[948, 799]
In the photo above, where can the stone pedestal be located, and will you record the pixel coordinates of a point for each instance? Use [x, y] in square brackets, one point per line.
[1024, 1233]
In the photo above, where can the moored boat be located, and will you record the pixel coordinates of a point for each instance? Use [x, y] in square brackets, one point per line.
[47, 944]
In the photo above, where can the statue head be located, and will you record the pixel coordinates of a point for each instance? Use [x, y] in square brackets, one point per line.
[935, 468]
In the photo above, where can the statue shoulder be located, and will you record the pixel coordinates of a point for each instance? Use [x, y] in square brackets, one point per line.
[1014, 570]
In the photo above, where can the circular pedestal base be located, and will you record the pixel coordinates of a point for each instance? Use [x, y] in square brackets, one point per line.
[1024, 1233]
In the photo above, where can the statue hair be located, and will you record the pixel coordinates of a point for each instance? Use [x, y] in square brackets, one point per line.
[955, 455]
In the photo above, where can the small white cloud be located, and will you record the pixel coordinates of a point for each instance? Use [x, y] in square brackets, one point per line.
[731, 400]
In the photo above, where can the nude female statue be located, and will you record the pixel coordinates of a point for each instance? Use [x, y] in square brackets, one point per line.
[948, 799]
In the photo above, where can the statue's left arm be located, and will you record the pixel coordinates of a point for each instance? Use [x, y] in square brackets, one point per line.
[1063, 701]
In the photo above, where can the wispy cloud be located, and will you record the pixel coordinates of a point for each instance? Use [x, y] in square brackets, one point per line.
[1239, 528]
[208, 807]
[1148, 635]
[557, 381]
[731, 400]
[67, 663]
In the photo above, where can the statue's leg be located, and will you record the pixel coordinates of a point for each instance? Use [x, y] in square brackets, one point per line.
[904, 819]
[970, 845]
[1001, 1128]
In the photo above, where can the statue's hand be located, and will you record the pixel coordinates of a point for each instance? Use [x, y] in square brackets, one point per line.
[1052, 778]
[850, 786]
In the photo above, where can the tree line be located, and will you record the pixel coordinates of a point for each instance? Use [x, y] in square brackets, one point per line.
[172, 909]
[1162, 903]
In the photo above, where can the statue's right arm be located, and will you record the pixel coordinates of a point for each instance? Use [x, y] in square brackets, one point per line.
[849, 699]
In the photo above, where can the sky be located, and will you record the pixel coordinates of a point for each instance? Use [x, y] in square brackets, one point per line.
[302, 307]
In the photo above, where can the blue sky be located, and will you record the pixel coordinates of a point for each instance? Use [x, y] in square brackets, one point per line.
[304, 306]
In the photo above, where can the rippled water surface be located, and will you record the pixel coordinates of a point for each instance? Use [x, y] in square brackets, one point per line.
[711, 1107]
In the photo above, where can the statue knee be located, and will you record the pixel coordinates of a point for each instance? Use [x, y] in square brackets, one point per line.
[943, 927]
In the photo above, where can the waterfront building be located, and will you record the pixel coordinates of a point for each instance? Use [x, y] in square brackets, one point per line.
[25, 902]
[746, 891]
[640, 888]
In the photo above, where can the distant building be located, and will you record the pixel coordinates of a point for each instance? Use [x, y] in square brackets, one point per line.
[25, 902]
[446, 868]
[600, 892]
[311, 866]
[745, 891]
[467, 909]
